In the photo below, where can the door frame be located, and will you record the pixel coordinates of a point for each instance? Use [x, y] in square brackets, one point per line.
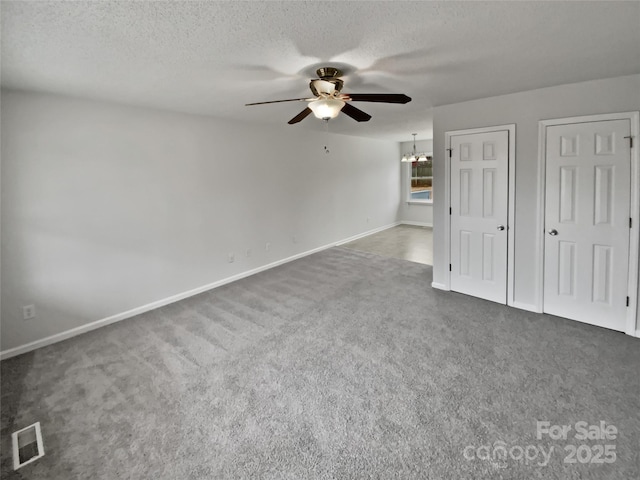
[634, 238]
[511, 128]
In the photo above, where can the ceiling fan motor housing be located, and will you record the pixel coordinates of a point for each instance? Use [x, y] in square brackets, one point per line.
[325, 86]
[328, 72]
[327, 83]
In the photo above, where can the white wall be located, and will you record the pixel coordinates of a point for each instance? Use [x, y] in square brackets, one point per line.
[415, 213]
[525, 109]
[106, 208]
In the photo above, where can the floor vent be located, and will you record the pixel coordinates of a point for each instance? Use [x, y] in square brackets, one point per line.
[27, 445]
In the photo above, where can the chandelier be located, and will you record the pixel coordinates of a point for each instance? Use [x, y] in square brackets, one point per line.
[413, 156]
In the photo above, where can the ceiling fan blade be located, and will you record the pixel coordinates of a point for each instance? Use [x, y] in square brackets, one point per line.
[379, 97]
[280, 101]
[301, 116]
[355, 113]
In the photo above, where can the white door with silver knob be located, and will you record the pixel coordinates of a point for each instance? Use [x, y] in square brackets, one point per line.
[479, 214]
[587, 208]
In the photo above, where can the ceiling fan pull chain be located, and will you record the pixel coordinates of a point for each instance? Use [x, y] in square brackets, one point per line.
[326, 148]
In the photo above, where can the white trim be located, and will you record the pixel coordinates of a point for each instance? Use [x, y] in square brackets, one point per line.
[447, 211]
[420, 202]
[360, 235]
[58, 337]
[634, 234]
[511, 237]
[511, 226]
[637, 335]
[417, 224]
[439, 286]
[14, 442]
[530, 307]
[538, 270]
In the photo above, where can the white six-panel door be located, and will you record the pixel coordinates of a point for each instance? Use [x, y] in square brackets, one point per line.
[479, 214]
[587, 205]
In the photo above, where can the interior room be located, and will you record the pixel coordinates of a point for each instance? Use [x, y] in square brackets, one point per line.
[304, 239]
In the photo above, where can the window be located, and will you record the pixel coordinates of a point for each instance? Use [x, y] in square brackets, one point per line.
[421, 181]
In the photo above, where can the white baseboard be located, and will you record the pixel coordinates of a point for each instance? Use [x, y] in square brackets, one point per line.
[58, 337]
[439, 286]
[637, 334]
[417, 224]
[365, 234]
[530, 307]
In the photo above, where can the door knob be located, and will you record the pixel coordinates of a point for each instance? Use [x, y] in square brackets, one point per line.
[553, 232]
[501, 227]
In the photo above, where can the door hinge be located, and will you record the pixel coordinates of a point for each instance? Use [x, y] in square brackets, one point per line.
[449, 210]
[450, 150]
[630, 137]
[627, 301]
[449, 267]
[630, 222]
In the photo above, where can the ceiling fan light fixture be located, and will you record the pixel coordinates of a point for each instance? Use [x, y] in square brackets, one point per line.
[326, 108]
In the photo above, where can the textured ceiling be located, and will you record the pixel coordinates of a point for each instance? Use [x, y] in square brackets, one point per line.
[213, 57]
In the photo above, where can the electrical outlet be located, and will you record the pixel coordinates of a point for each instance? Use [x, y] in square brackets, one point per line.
[248, 252]
[267, 247]
[294, 238]
[28, 312]
[231, 258]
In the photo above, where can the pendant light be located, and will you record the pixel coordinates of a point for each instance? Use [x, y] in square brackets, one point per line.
[413, 156]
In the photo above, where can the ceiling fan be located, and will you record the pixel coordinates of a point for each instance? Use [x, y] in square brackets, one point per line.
[328, 102]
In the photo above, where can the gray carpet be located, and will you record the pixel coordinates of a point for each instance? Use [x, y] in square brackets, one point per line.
[343, 365]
